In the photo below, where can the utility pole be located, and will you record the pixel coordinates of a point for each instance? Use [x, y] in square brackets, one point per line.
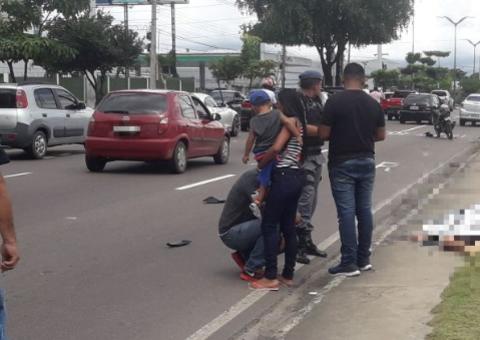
[349, 51]
[93, 10]
[174, 41]
[380, 56]
[413, 29]
[153, 49]
[474, 54]
[125, 13]
[455, 23]
[284, 65]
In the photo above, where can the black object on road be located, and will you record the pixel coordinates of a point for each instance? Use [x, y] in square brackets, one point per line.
[179, 244]
[213, 200]
[429, 134]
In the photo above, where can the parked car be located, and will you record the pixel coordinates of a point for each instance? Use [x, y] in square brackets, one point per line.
[230, 118]
[34, 117]
[154, 125]
[392, 105]
[470, 110]
[419, 107]
[230, 98]
[445, 97]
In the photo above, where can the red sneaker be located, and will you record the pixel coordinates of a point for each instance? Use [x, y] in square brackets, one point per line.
[237, 257]
[246, 277]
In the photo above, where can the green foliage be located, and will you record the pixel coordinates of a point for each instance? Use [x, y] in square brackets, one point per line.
[329, 25]
[250, 49]
[227, 69]
[100, 47]
[427, 61]
[259, 69]
[386, 78]
[470, 85]
[413, 58]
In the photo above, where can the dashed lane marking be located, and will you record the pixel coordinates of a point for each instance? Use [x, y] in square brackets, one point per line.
[197, 184]
[21, 174]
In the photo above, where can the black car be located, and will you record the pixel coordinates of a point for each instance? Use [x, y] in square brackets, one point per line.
[419, 107]
[231, 98]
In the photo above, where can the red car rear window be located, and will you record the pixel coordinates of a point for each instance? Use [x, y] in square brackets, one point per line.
[134, 103]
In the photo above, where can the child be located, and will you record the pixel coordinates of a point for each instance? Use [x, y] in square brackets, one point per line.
[264, 129]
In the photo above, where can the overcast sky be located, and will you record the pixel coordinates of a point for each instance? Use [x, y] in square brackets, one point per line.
[206, 25]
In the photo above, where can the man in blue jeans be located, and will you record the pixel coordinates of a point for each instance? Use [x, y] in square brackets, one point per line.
[353, 122]
[240, 230]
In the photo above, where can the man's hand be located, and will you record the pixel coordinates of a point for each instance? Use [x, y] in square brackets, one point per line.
[245, 159]
[10, 256]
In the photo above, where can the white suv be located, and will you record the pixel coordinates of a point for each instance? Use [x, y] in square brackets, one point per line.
[34, 117]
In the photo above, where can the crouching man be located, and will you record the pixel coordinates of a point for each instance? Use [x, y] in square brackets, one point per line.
[240, 230]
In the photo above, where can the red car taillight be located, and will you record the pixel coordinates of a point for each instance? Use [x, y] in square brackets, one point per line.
[162, 125]
[22, 101]
[246, 105]
[91, 126]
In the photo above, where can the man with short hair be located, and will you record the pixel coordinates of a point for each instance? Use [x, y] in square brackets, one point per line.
[311, 88]
[8, 248]
[240, 230]
[353, 122]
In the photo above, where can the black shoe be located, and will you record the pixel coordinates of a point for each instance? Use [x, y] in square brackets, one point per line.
[310, 247]
[344, 270]
[302, 256]
[364, 266]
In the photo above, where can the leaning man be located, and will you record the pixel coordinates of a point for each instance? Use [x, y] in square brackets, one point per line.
[240, 230]
[352, 122]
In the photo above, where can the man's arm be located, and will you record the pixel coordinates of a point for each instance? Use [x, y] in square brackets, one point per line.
[380, 134]
[324, 132]
[9, 251]
[282, 139]
[290, 124]
[248, 147]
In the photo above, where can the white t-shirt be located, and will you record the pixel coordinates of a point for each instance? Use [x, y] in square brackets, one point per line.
[272, 95]
[378, 96]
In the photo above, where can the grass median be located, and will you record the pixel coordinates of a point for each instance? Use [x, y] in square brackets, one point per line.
[458, 315]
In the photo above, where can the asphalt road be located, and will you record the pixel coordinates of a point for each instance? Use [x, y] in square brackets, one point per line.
[94, 260]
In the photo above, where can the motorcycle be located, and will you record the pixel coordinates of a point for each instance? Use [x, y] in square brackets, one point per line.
[442, 122]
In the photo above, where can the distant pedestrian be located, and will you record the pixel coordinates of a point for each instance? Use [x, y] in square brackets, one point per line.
[268, 85]
[287, 181]
[353, 122]
[9, 250]
[311, 90]
[377, 95]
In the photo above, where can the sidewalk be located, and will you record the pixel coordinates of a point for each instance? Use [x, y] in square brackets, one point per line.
[396, 299]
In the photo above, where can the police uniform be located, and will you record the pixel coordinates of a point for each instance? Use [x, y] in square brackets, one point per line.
[313, 164]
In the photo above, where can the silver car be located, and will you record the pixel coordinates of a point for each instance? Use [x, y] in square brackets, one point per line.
[229, 117]
[470, 110]
[34, 117]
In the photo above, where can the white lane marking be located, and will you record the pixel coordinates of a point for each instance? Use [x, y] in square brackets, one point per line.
[387, 165]
[406, 131]
[194, 185]
[18, 175]
[219, 322]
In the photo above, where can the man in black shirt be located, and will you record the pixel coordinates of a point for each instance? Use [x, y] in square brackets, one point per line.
[240, 230]
[310, 86]
[353, 122]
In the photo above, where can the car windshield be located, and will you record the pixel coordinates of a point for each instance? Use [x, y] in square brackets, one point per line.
[440, 93]
[217, 95]
[474, 99]
[401, 94]
[8, 99]
[134, 103]
[417, 99]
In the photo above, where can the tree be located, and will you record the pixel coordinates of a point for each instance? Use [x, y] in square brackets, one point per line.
[329, 26]
[100, 47]
[227, 69]
[470, 85]
[259, 69]
[386, 78]
[437, 54]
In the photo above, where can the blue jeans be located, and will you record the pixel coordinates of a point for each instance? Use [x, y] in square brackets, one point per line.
[265, 175]
[3, 335]
[352, 187]
[280, 210]
[247, 239]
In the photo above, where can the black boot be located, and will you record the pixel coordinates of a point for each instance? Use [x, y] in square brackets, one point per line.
[302, 244]
[311, 248]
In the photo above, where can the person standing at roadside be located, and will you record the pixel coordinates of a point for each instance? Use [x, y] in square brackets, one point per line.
[310, 86]
[353, 122]
[8, 248]
[377, 95]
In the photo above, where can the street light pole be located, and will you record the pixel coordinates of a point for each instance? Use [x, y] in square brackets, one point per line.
[153, 48]
[455, 23]
[474, 53]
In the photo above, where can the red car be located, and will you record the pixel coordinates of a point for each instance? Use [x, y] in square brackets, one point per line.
[391, 106]
[154, 125]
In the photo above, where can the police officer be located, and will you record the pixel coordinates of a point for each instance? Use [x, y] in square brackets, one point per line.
[310, 88]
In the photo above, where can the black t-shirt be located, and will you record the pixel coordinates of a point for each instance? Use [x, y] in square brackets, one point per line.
[354, 118]
[236, 209]
[313, 116]
[4, 159]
